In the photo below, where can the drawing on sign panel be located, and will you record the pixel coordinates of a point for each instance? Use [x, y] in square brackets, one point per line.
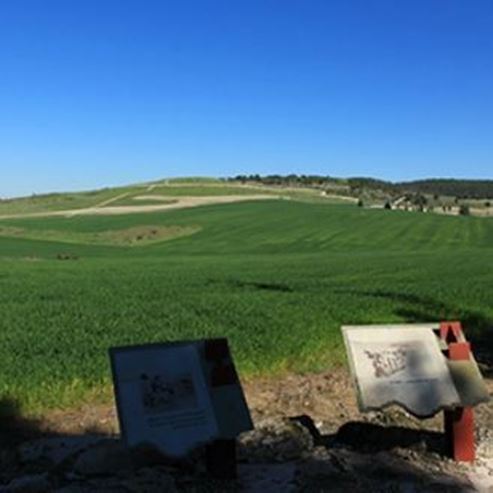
[388, 362]
[162, 394]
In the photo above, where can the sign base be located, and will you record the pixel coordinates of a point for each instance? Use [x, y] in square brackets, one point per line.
[220, 456]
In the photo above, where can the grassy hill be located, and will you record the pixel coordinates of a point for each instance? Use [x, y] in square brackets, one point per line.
[131, 194]
[276, 277]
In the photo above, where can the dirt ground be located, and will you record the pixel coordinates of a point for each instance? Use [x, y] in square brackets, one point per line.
[328, 398]
[309, 436]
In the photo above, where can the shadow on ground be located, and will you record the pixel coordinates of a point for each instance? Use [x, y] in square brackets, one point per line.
[368, 437]
[364, 457]
[359, 457]
[21, 451]
[15, 428]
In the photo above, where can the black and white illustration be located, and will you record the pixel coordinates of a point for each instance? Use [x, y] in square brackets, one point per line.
[161, 393]
[388, 362]
[163, 397]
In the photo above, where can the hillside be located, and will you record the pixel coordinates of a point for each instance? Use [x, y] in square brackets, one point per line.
[461, 189]
[278, 277]
[154, 193]
[442, 196]
[472, 189]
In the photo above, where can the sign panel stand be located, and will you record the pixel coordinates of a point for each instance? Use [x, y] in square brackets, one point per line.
[220, 457]
[424, 368]
[458, 422]
[180, 396]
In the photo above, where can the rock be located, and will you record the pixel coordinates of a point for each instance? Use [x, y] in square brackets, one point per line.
[275, 441]
[53, 451]
[150, 481]
[74, 488]
[147, 454]
[9, 463]
[485, 443]
[108, 457]
[37, 483]
[325, 470]
[100, 485]
[268, 478]
[321, 463]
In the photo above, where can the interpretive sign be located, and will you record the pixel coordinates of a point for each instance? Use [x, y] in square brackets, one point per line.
[176, 396]
[422, 367]
[400, 364]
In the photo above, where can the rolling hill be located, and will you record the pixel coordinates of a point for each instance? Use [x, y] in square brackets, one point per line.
[278, 277]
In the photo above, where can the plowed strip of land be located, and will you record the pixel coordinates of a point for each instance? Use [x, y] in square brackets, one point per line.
[113, 199]
[178, 203]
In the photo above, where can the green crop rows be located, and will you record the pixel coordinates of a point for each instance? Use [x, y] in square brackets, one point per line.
[278, 278]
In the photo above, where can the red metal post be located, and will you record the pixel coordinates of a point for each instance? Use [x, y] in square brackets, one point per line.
[459, 422]
[450, 331]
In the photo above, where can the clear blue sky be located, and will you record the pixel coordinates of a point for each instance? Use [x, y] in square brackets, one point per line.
[107, 92]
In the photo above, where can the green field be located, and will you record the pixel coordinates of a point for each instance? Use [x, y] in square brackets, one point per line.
[278, 278]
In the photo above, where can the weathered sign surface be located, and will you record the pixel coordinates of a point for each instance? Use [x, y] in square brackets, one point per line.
[400, 364]
[179, 395]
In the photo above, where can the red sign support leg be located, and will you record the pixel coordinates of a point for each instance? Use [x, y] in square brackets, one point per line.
[459, 434]
[459, 422]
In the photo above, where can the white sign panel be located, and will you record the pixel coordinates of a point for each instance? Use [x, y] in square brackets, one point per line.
[399, 365]
[163, 398]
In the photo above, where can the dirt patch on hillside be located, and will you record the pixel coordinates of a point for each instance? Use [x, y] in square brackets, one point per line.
[135, 236]
[154, 198]
[177, 203]
[143, 235]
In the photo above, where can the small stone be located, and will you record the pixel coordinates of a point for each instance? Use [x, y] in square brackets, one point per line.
[30, 484]
[53, 451]
[74, 488]
[275, 441]
[150, 481]
[104, 459]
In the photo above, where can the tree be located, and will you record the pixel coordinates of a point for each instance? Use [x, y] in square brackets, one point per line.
[419, 200]
[464, 210]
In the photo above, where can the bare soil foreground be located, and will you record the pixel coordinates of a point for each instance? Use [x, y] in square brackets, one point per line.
[309, 437]
[176, 203]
